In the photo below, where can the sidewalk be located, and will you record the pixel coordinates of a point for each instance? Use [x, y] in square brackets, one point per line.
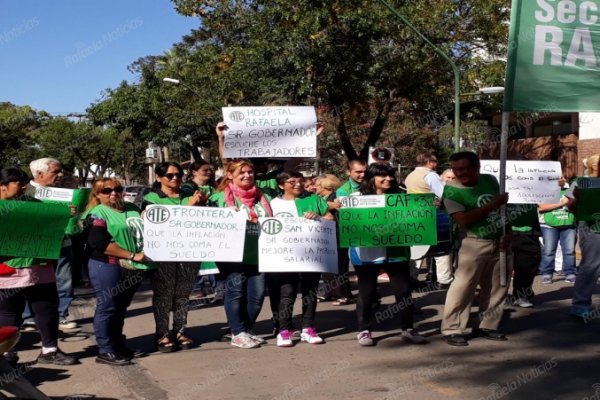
[549, 355]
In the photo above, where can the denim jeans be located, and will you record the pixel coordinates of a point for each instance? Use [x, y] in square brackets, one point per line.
[552, 236]
[244, 295]
[589, 269]
[114, 292]
[64, 285]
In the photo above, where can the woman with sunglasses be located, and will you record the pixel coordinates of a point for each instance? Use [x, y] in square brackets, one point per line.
[283, 286]
[244, 285]
[29, 280]
[172, 282]
[116, 266]
[380, 179]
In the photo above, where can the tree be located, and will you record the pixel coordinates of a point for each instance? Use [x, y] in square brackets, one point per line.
[350, 58]
[16, 125]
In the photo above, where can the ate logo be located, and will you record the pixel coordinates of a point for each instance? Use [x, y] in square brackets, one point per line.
[349, 201]
[43, 192]
[236, 116]
[484, 199]
[158, 215]
[272, 227]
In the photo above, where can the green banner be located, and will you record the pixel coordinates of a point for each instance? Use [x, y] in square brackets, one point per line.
[71, 197]
[553, 56]
[388, 221]
[32, 229]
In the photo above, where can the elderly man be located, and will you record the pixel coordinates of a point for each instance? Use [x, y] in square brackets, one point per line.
[47, 172]
[473, 202]
[424, 179]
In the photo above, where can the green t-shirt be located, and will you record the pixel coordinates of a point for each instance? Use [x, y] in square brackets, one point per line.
[267, 183]
[348, 188]
[312, 203]
[523, 217]
[155, 198]
[594, 222]
[126, 228]
[190, 187]
[459, 198]
[252, 228]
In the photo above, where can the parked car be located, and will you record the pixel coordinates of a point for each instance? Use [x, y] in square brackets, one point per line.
[135, 194]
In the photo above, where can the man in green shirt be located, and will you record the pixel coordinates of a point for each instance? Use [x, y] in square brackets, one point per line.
[356, 174]
[473, 201]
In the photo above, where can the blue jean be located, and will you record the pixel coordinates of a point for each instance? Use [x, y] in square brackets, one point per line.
[552, 236]
[64, 285]
[114, 291]
[589, 269]
[244, 295]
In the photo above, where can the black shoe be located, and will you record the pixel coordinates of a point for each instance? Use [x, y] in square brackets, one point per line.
[115, 359]
[489, 334]
[131, 353]
[12, 358]
[57, 358]
[456, 340]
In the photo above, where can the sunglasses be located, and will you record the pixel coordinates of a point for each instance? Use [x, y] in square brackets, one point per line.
[109, 190]
[170, 175]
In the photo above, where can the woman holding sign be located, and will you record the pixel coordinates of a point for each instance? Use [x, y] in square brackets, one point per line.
[244, 285]
[114, 235]
[28, 280]
[172, 282]
[283, 286]
[380, 179]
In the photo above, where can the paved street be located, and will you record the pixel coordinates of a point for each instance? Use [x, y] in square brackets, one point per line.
[549, 355]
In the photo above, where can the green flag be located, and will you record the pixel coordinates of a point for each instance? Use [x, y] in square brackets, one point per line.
[553, 54]
[32, 229]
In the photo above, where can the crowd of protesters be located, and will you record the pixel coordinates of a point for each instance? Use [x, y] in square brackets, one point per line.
[36, 292]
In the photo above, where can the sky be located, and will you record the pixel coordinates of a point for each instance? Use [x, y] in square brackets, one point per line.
[58, 56]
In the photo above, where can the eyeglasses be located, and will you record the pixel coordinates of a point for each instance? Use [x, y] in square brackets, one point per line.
[109, 190]
[295, 183]
[170, 175]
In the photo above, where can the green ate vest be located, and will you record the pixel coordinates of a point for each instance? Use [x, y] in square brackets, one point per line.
[475, 197]
[561, 217]
[126, 228]
[252, 229]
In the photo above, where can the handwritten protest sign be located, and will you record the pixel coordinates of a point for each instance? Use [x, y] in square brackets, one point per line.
[186, 234]
[32, 229]
[588, 199]
[528, 182]
[292, 244]
[388, 220]
[72, 197]
[275, 132]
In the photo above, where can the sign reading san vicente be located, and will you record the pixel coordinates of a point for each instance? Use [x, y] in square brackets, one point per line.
[388, 220]
[553, 55]
[275, 132]
[528, 182]
[32, 229]
[182, 233]
[292, 244]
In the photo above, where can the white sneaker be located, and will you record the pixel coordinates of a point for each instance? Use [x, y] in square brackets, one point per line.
[284, 339]
[521, 302]
[365, 339]
[414, 337]
[66, 324]
[244, 341]
[257, 339]
[309, 335]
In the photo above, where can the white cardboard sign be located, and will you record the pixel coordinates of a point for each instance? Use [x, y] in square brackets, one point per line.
[528, 182]
[294, 244]
[54, 194]
[189, 234]
[273, 132]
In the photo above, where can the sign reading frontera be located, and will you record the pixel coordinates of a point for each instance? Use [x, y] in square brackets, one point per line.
[297, 245]
[388, 220]
[181, 233]
[553, 55]
[273, 132]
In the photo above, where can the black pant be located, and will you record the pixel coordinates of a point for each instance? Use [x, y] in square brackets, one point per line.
[399, 274]
[43, 300]
[286, 285]
[527, 255]
[338, 285]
